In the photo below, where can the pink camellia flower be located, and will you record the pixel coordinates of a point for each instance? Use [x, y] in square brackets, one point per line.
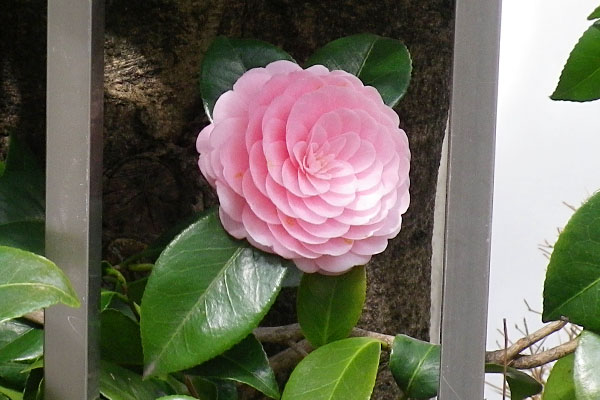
[308, 164]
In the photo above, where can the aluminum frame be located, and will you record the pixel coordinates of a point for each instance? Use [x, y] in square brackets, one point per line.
[469, 199]
[74, 192]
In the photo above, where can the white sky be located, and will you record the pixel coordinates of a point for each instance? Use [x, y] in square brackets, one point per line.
[547, 152]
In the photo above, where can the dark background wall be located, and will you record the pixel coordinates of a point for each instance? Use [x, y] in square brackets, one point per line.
[153, 113]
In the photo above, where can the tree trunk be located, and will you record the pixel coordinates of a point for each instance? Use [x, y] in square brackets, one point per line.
[153, 113]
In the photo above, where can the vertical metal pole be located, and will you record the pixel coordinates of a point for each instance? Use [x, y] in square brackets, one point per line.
[74, 192]
[469, 198]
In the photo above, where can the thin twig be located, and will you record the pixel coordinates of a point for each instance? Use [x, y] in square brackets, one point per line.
[545, 357]
[504, 365]
[498, 356]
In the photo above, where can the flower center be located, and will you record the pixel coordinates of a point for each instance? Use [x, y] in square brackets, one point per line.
[317, 160]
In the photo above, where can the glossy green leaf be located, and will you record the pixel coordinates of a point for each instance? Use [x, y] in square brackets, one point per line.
[580, 78]
[4, 397]
[118, 383]
[29, 282]
[176, 397]
[218, 290]
[380, 62]
[572, 286]
[247, 363]
[39, 363]
[330, 306]
[135, 290]
[12, 376]
[340, 370]
[214, 389]
[34, 387]
[115, 301]
[585, 367]
[227, 59]
[560, 384]
[26, 347]
[13, 329]
[22, 200]
[521, 385]
[595, 14]
[120, 338]
[10, 393]
[415, 366]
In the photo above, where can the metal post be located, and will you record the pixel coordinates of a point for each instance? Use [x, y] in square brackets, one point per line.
[74, 192]
[469, 198]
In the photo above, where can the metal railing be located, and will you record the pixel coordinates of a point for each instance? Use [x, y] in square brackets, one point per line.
[74, 172]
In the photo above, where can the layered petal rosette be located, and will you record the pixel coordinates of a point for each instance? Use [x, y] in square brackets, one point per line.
[308, 164]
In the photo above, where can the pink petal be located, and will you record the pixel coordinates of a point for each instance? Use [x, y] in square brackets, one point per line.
[260, 205]
[290, 243]
[279, 196]
[338, 199]
[321, 207]
[292, 226]
[230, 105]
[258, 167]
[370, 177]
[282, 67]
[234, 159]
[351, 146]
[328, 229]
[233, 227]
[370, 246]
[302, 212]
[257, 228]
[306, 265]
[353, 217]
[367, 199]
[360, 232]
[231, 203]
[290, 178]
[341, 263]
[332, 247]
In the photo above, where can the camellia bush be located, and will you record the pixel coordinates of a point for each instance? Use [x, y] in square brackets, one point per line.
[311, 170]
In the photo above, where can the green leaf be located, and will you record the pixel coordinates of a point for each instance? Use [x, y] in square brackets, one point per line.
[11, 375]
[22, 200]
[116, 301]
[26, 347]
[340, 370]
[214, 389]
[13, 329]
[39, 363]
[227, 59]
[10, 393]
[572, 287]
[521, 385]
[29, 282]
[580, 78]
[247, 363]
[218, 290]
[135, 290]
[330, 306]
[560, 384]
[595, 14]
[176, 397]
[34, 388]
[585, 367]
[380, 62]
[120, 338]
[118, 383]
[415, 366]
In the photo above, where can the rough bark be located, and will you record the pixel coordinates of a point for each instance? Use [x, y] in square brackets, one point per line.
[153, 113]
